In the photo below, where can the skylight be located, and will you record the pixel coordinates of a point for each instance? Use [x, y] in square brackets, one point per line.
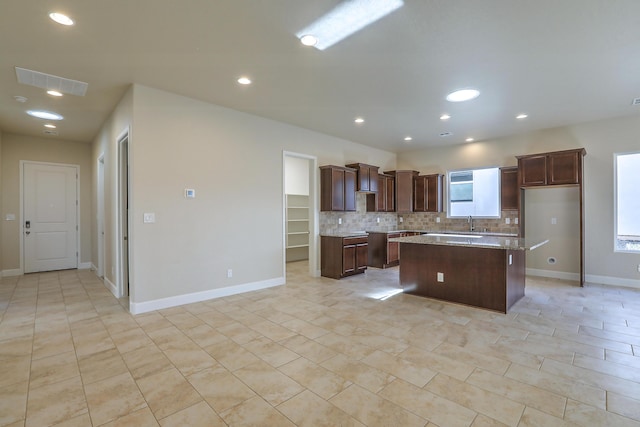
[345, 19]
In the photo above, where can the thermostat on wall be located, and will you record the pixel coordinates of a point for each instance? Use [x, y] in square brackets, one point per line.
[189, 193]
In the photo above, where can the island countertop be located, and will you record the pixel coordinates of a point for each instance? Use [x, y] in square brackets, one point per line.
[474, 241]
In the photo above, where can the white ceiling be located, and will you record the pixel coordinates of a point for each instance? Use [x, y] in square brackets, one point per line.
[560, 61]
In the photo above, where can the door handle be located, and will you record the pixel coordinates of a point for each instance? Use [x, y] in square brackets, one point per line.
[27, 224]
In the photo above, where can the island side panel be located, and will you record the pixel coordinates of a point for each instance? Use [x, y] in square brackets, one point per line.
[472, 276]
[515, 276]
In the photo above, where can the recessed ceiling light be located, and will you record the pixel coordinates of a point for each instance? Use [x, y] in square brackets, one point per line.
[61, 18]
[309, 40]
[54, 93]
[44, 115]
[359, 120]
[521, 116]
[445, 117]
[463, 95]
[50, 126]
[469, 140]
[244, 80]
[408, 138]
[20, 98]
[347, 18]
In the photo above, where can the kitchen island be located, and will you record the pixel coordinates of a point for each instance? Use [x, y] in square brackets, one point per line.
[481, 271]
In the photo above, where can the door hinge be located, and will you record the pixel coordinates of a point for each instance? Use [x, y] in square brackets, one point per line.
[76, 228]
[76, 203]
[76, 253]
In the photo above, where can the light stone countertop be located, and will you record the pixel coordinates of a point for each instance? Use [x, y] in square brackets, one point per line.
[346, 234]
[474, 241]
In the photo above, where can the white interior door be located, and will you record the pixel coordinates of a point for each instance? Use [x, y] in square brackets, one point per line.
[50, 217]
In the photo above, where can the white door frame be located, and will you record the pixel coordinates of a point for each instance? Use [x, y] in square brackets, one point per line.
[100, 218]
[314, 228]
[77, 168]
[121, 274]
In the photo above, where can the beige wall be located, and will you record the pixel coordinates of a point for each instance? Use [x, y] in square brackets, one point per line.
[554, 214]
[16, 148]
[601, 139]
[2, 213]
[234, 161]
[105, 144]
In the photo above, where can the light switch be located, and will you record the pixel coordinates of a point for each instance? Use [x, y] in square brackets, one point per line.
[507, 221]
[510, 259]
[554, 221]
[437, 219]
[149, 218]
[10, 217]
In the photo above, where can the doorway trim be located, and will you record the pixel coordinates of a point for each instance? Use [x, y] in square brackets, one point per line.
[100, 268]
[314, 270]
[21, 209]
[121, 275]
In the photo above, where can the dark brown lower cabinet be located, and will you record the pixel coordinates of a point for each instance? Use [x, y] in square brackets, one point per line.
[343, 256]
[382, 252]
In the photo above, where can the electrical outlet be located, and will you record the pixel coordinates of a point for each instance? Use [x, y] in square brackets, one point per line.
[339, 221]
[507, 221]
[554, 221]
[401, 220]
[441, 277]
[229, 273]
[378, 220]
[638, 268]
[437, 219]
[515, 221]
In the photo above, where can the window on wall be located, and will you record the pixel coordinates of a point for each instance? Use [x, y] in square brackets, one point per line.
[627, 202]
[474, 192]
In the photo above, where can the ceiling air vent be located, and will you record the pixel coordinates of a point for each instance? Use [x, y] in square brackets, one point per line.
[50, 132]
[51, 82]
[636, 101]
[444, 134]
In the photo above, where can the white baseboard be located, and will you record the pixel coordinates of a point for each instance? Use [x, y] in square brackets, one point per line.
[93, 267]
[84, 265]
[144, 307]
[113, 288]
[612, 281]
[11, 273]
[563, 275]
[589, 278]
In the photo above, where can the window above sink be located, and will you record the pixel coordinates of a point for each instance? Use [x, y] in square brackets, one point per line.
[473, 192]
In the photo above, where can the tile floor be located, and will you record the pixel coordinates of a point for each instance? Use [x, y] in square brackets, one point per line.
[317, 352]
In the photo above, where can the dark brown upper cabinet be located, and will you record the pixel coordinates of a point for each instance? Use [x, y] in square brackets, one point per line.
[384, 199]
[367, 177]
[509, 188]
[337, 188]
[555, 168]
[427, 195]
[404, 180]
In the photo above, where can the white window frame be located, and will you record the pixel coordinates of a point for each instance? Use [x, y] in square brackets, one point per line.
[618, 245]
[448, 185]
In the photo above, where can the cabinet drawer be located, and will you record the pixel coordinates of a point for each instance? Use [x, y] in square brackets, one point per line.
[354, 240]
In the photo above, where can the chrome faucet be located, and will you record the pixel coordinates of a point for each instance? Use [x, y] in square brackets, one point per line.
[470, 221]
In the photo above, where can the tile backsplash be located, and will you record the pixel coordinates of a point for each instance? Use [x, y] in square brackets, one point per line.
[423, 221]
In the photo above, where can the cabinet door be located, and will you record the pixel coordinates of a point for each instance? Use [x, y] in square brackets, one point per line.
[349, 190]
[390, 195]
[563, 168]
[373, 178]
[362, 256]
[434, 193]
[509, 188]
[420, 194]
[533, 170]
[404, 191]
[393, 252]
[348, 259]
